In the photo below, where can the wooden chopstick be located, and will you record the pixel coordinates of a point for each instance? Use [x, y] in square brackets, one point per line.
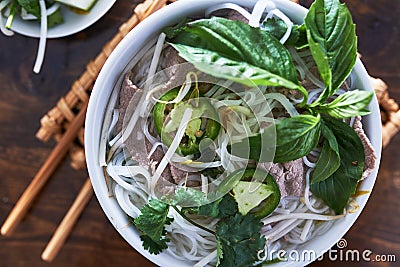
[44, 173]
[66, 225]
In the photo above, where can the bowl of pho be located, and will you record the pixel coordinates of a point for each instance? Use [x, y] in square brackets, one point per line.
[234, 133]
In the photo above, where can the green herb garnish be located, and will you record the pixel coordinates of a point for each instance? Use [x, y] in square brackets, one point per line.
[342, 183]
[236, 51]
[238, 236]
[151, 223]
[333, 44]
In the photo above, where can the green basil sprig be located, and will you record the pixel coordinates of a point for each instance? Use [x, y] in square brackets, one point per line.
[236, 51]
[277, 27]
[329, 159]
[295, 138]
[349, 104]
[338, 187]
[251, 56]
[333, 43]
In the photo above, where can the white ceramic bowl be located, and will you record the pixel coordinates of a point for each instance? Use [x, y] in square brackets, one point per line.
[116, 66]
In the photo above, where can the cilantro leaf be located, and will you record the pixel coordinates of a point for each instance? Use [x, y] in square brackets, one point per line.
[239, 240]
[221, 208]
[152, 246]
[188, 197]
[151, 223]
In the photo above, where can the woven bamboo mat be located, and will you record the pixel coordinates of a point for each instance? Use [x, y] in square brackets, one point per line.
[56, 121]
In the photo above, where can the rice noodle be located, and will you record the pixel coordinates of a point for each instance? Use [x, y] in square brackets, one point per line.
[235, 7]
[182, 92]
[103, 159]
[304, 216]
[284, 102]
[156, 57]
[174, 145]
[258, 11]
[307, 192]
[302, 64]
[42, 38]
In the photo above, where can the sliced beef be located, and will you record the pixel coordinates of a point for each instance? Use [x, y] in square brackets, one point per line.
[171, 61]
[308, 84]
[370, 157]
[234, 15]
[128, 90]
[139, 149]
[177, 174]
[289, 176]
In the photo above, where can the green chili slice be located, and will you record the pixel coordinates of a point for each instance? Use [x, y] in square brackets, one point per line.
[204, 122]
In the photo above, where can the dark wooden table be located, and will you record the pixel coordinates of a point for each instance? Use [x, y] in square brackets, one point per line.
[25, 97]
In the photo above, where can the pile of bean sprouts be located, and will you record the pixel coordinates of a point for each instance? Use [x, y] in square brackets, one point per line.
[295, 221]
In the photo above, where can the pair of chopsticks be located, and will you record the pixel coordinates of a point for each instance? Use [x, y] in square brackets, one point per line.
[23, 204]
[40, 179]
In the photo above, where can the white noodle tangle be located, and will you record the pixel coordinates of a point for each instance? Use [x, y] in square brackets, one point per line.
[42, 38]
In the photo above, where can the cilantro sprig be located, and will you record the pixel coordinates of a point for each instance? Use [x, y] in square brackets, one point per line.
[238, 236]
[239, 240]
[151, 223]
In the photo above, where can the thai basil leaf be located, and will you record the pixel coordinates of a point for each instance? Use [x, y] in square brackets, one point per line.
[329, 159]
[236, 51]
[173, 31]
[278, 28]
[295, 138]
[332, 33]
[321, 59]
[260, 147]
[349, 104]
[337, 189]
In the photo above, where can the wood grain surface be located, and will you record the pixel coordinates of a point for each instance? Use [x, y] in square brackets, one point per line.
[25, 97]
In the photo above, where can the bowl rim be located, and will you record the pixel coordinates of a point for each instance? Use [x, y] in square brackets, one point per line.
[114, 68]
